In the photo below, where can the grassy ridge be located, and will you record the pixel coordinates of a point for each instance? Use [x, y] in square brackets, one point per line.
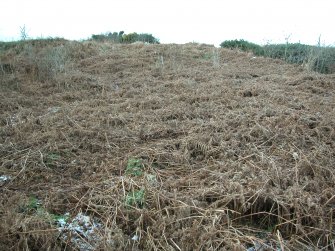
[316, 58]
[21, 44]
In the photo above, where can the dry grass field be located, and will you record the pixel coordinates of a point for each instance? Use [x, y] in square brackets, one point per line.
[163, 147]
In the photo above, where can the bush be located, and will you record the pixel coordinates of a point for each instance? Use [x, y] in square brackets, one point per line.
[319, 59]
[116, 37]
[130, 38]
[41, 60]
[292, 53]
[100, 37]
[243, 45]
[121, 37]
[147, 38]
[322, 59]
[50, 62]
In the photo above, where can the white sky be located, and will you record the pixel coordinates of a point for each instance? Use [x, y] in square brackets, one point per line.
[209, 21]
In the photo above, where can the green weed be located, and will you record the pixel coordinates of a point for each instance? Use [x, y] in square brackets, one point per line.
[134, 167]
[51, 158]
[244, 46]
[136, 198]
[33, 203]
[59, 219]
[35, 207]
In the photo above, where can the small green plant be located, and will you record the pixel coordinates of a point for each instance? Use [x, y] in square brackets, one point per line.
[206, 56]
[51, 158]
[136, 198]
[134, 167]
[33, 203]
[34, 206]
[59, 219]
[151, 178]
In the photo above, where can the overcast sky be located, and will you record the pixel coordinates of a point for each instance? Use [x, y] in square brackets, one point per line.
[177, 21]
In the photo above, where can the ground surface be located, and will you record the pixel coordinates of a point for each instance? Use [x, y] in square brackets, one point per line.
[167, 147]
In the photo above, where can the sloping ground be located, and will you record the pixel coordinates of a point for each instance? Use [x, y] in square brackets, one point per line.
[166, 147]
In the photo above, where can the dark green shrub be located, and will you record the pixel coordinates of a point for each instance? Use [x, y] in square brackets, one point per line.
[115, 37]
[130, 38]
[317, 58]
[147, 38]
[322, 60]
[143, 37]
[121, 37]
[134, 167]
[100, 37]
[243, 45]
[136, 198]
[292, 53]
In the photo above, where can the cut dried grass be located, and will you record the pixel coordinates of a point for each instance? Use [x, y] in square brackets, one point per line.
[234, 155]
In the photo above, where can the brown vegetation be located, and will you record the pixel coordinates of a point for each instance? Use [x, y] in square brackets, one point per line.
[237, 151]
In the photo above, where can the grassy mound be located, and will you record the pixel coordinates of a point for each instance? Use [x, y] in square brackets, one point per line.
[108, 146]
